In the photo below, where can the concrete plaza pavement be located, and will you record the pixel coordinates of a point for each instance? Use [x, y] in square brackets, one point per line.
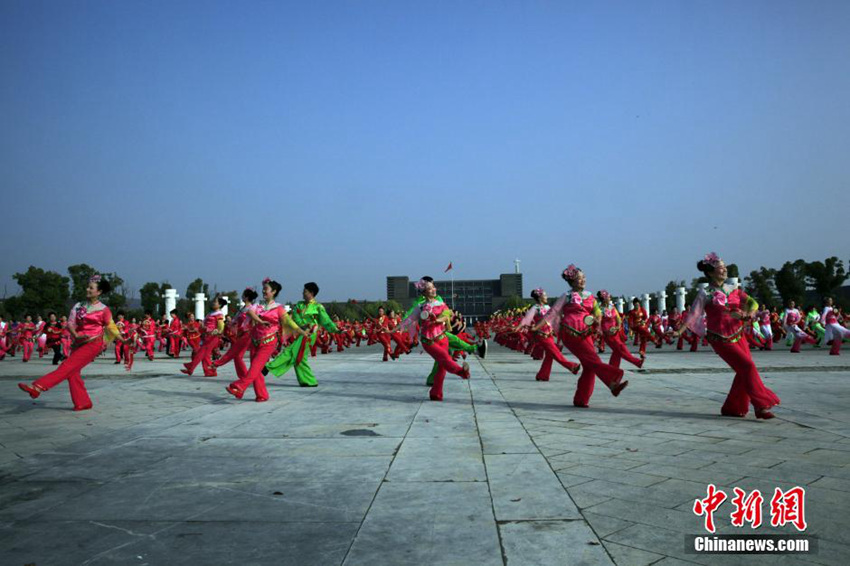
[364, 470]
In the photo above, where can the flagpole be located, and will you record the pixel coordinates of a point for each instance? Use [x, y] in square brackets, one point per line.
[453, 289]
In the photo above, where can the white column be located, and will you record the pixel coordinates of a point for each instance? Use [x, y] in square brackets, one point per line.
[661, 301]
[645, 302]
[170, 301]
[241, 303]
[732, 282]
[619, 302]
[680, 298]
[199, 306]
[632, 303]
[703, 287]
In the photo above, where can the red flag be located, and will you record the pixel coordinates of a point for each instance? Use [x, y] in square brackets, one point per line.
[448, 268]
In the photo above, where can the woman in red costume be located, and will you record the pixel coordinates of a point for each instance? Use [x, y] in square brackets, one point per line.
[576, 312]
[242, 339]
[543, 337]
[213, 327]
[612, 332]
[725, 309]
[269, 320]
[639, 324]
[89, 324]
[26, 334]
[433, 318]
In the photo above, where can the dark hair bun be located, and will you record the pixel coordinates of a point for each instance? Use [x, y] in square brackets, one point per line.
[534, 295]
[274, 286]
[312, 287]
[104, 286]
[428, 279]
[250, 294]
[222, 301]
[705, 267]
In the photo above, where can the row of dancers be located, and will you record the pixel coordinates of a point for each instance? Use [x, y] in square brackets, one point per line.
[277, 340]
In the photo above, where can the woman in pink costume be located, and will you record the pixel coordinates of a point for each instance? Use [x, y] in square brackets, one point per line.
[612, 332]
[89, 325]
[433, 318]
[574, 314]
[242, 340]
[835, 333]
[269, 319]
[213, 327]
[543, 338]
[725, 309]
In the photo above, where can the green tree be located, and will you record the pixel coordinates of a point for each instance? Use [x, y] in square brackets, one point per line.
[790, 281]
[760, 285]
[80, 274]
[732, 271]
[41, 291]
[116, 299]
[197, 286]
[151, 297]
[826, 277]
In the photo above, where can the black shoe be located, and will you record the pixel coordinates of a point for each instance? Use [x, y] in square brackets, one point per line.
[482, 349]
[307, 384]
[265, 371]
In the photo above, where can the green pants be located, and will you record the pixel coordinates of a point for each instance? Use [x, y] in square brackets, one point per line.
[281, 364]
[455, 344]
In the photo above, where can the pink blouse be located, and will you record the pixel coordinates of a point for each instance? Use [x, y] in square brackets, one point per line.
[89, 320]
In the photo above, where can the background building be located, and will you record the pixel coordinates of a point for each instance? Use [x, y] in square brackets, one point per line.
[475, 298]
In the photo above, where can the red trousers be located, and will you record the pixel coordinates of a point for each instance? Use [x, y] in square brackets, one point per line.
[440, 352]
[237, 354]
[27, 347]
[619, 351]
[70, 369]
[148, 343]
[175, 343]
[592, 366]
[642, 335]
[259, 358]
[400, 346]
[385, 338]
[128, 356]
[747, 387]
[550, 353]
[203, 355]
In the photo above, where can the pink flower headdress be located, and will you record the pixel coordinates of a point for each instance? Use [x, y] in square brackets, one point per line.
[712, 259]
[570, 273]
[604, 295]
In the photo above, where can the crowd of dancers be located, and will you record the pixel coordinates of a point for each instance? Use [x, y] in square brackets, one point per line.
[277, 338]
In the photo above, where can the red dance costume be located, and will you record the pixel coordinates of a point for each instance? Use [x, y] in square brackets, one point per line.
[213, 327]
[265, 339]
[725, 335]
[612, 333]
[638, 324]
[543, 338]
[240, 343]
[576, 312]
[90, 322]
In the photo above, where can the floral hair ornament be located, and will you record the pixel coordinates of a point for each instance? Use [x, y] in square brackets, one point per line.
[712, 259]
[95, 278]
[571, 272]
[250, 289]
[420, 285]
[538, 292]
[267, 280]
[604, 295]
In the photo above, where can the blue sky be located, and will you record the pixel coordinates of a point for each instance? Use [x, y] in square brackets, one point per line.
[342, 142]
